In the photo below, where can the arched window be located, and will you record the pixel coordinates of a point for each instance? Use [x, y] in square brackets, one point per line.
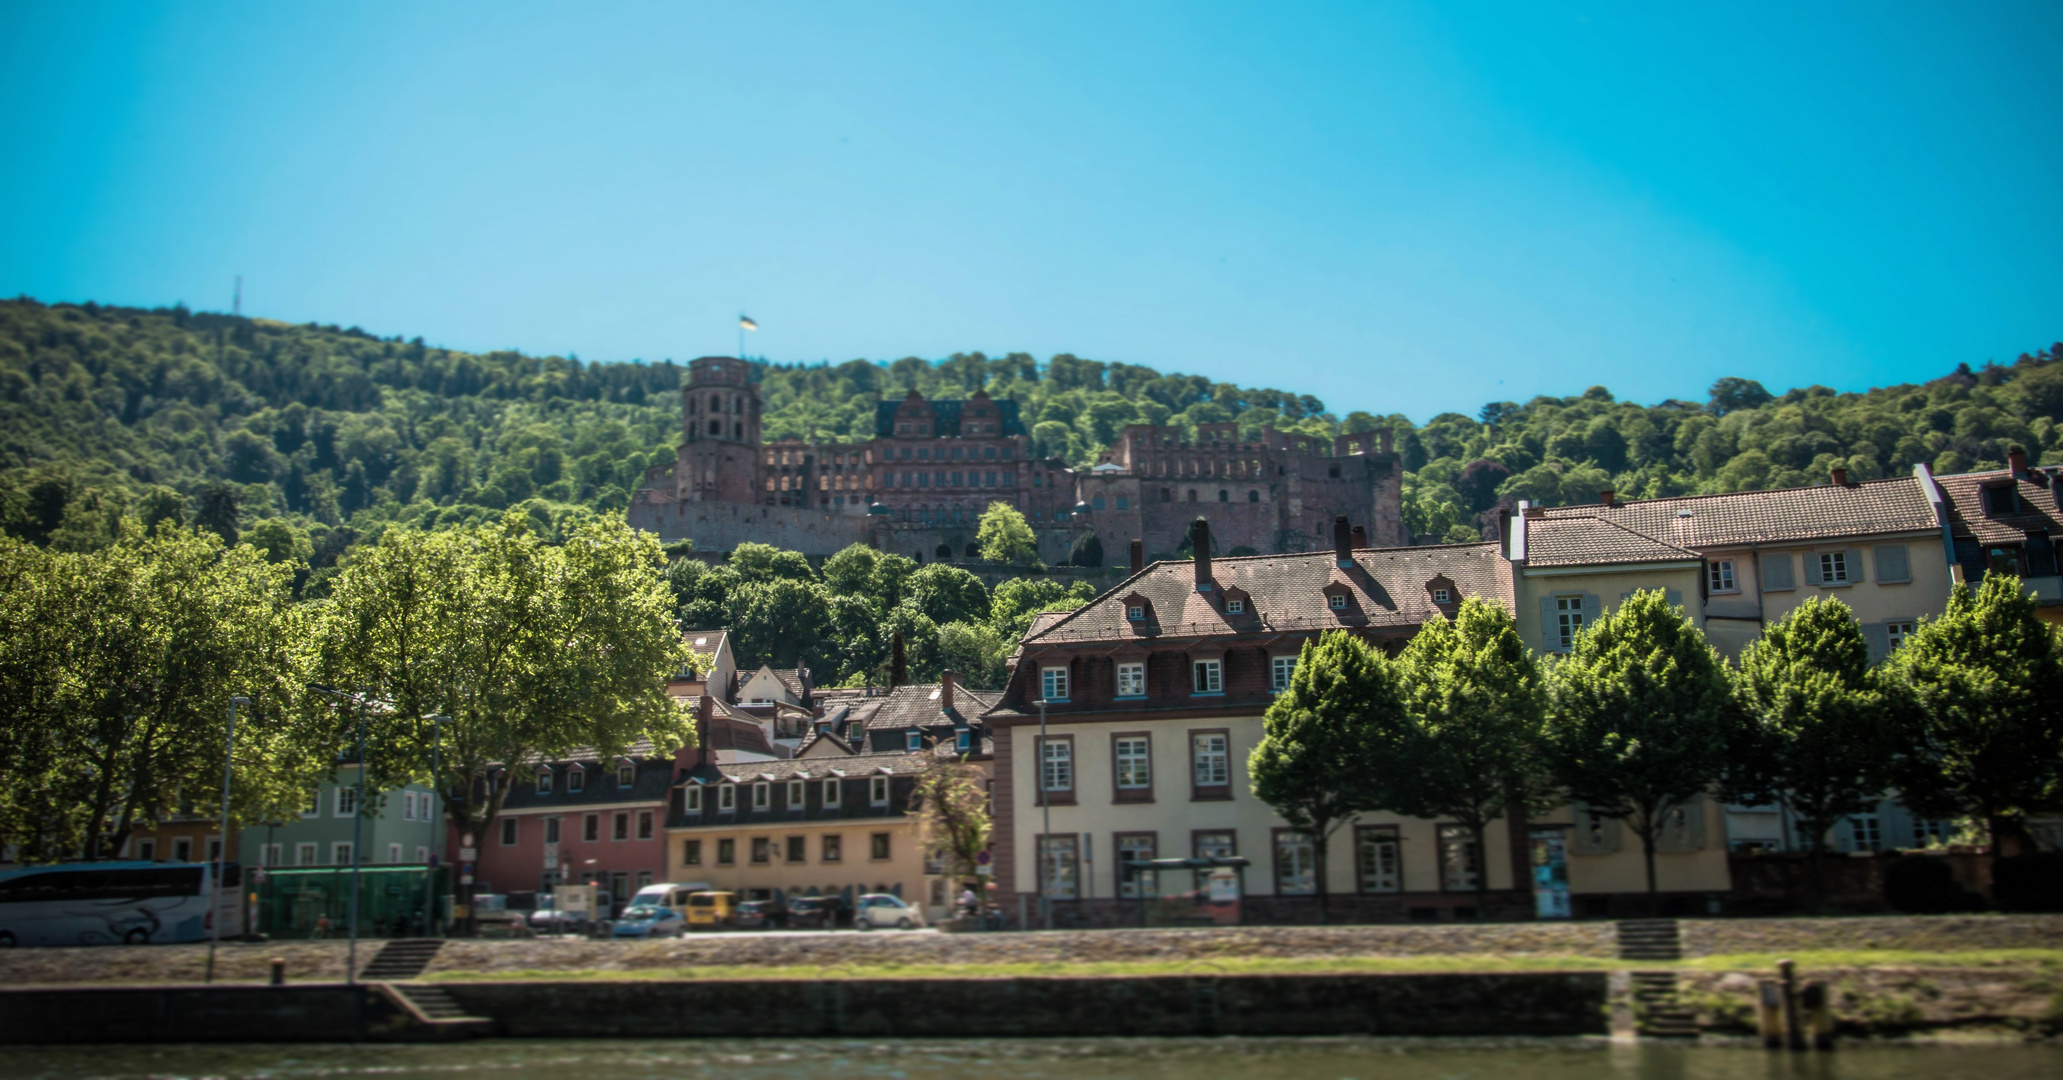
[945, 551]
[1192, 494]
[716, 427]
[1253, 496]
[973, 551]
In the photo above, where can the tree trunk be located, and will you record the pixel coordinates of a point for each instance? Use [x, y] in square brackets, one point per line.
[1521, 852]
[1320, 839]
[1479, 830]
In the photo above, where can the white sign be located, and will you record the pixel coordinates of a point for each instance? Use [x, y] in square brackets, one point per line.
[551, 861]
[1224, 885]
[984, 871]
[465, 840]
[468, 854]
[574, 898]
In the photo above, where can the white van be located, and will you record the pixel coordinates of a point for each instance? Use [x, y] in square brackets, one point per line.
[669, 895]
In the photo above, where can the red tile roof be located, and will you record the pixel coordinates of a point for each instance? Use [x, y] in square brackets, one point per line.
[1386, 588]
[2038, 503]
[1825, 512]
[1588, 540]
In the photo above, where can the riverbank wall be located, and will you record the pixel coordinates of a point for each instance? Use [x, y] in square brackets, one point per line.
[1530, 1003]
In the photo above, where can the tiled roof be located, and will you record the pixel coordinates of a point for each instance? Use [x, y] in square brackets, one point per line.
[1828, 511]
[1386, 588]
[704, 643]
[1592, 541]
[1965, 495]
[901, 764]
[654, 776]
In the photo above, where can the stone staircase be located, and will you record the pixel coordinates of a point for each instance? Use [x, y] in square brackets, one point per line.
[401, 958]
[1657, 1011]
[1649, 939]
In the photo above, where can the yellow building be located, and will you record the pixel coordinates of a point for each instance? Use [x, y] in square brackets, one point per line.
[834, 818]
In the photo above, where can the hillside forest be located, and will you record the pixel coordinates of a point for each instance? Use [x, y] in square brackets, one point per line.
[306, 439]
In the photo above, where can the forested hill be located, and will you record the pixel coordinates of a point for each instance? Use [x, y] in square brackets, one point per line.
[315, 436]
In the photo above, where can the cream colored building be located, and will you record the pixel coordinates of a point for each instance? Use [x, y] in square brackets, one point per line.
[1154, 697]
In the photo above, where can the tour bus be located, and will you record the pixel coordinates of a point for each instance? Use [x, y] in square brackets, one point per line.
[103, 903]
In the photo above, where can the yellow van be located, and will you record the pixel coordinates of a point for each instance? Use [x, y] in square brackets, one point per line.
[711, 910]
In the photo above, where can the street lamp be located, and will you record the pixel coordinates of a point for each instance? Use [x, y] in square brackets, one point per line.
[222, 852]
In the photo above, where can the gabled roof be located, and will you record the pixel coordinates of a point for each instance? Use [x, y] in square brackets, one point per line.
[705, 644]
[917, 705]
[1825, 512]
[1386, 588]
[1583, 540]
[2038, 503]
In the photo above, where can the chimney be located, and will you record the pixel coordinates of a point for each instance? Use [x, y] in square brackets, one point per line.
[1504, 531]
[2016, 459]
[1531, 511]
[1360, 536]
[1342, 542]
[1840, 476]
[1608, 497]
[898, 661]
[703, 754]
[1200, 539]
[1138, 555]
[945, 691]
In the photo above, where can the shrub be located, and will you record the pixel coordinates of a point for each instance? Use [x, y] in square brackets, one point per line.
[2028, 883]
[1925, 885]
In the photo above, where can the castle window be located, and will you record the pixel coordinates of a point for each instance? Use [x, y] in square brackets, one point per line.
[956, 453]
[1192, 494]
[989, 453]
[1224, 496]
[1166, 495]
[1098, 504]
[1124, 502]
[924, 453]
[1253, 496]
[716, 427]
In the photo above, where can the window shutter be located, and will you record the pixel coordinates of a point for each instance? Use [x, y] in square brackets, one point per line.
[1550, 635]
[1892, 564]
[1593, 610]
[1880, 641]
[1855, 570]
[1812, 568]
[1776, 572]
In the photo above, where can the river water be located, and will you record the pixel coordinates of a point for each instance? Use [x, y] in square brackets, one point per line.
[1071, 1059]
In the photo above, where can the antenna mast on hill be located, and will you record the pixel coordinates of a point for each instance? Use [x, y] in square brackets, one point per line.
[236, 304]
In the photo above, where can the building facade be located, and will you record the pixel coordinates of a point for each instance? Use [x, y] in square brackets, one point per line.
[920, 480]
[1154, 695]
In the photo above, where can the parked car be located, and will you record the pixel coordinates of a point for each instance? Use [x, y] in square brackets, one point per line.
[818, 913]
[759, 915]
[711, 910]
[650, 921]
[547, 920]
[881, 909]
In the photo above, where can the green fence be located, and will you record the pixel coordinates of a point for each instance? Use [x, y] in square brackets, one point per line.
[393, 901]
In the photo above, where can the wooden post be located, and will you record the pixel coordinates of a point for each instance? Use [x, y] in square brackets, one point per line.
[1794, 1032]
[279, 971]
[1819, 1017]
[1769, 1014]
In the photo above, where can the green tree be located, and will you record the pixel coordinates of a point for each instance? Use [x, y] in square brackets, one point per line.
[976, 654]
[1087, 550]
[1640, 718]
[1318, 754]
[1005, 536]
[1984, 737]
[948, 594]
[783, 622]
[1815, 737]
[1014, 602]
[529, 649]
[949, 814]
[1468, 745]
[119, 667]
[765, 562]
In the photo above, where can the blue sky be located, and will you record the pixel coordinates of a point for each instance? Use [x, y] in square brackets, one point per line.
[1396, 207]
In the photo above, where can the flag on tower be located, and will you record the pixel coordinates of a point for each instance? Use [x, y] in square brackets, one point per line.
[745, 322]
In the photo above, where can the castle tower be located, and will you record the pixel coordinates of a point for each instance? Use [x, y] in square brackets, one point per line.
[719, 456]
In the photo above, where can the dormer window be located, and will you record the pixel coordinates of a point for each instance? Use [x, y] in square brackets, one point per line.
[1338, 601]
[544, 781]
[2002, 501]
[727, 798]
[693, 804]
[1136, 612]
[913, 741]
[1442, 596]
[1235, 607]
[963, 741]
[576, 780]
[626, 774]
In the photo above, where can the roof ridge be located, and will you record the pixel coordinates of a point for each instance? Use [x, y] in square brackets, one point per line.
[1620, 503]
[1600, 519]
